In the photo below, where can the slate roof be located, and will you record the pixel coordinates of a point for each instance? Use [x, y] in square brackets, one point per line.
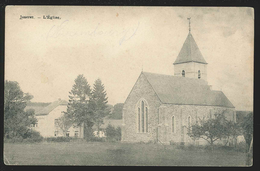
[186, 91]
[190, 52]
[52, 106]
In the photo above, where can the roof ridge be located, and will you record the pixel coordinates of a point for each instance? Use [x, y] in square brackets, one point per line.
[184, 90]
[51, 107]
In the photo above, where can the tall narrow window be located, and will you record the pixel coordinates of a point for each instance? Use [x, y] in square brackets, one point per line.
[138, 119]
[173, 124]
[142, 116]
[146, 120]
[183, 73]
[142, 110]
[189, 124]
[198, 74]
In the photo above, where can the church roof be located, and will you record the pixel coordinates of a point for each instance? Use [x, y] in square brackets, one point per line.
[52, 106]
[190, 52]
[186, 91]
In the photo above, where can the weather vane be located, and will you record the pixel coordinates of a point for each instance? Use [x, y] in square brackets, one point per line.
[189, 24]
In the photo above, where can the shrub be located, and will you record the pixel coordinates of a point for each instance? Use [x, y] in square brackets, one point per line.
[13, 140]
[113, 134]
[33, 136]
[118, 134]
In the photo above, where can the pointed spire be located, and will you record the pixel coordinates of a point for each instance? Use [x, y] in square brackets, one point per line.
[190, 51]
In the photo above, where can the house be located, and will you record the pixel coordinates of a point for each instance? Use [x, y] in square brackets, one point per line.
[162, 108]
[47, 124]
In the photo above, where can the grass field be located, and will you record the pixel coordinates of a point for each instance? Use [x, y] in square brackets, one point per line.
[119, 154]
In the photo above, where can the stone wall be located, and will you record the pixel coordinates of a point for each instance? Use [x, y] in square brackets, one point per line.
[181, 114]
[141, 90]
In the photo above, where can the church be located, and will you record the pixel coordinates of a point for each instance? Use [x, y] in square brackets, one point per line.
[162, 108]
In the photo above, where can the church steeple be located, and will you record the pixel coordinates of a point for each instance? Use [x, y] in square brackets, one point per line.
[190, 62]
[190, 52]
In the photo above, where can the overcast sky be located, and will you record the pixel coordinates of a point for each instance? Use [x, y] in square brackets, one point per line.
[113, 43]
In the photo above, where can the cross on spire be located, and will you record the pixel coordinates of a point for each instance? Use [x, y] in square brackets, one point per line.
[189, 24]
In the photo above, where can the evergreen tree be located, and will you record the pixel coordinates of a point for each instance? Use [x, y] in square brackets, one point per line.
[99, 101]
[79, 107]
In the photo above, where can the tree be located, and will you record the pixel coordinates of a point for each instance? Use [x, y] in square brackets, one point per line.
[110, 132]
[79, 108]
[247, 128]
[64, 123]
[99, 102]
[210, 130]
[113, 133]
[117, 111]
[233, 131]
[16, 121]
[118, 134]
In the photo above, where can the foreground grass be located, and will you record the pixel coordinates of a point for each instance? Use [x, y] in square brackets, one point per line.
[119, 154]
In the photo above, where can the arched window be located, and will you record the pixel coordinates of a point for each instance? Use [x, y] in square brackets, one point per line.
[189, 124]
[198, 74]
[142, 116]
[146, 119]
[173, 124]
[183, 73]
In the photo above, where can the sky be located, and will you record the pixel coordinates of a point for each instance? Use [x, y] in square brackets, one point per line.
[116, 43]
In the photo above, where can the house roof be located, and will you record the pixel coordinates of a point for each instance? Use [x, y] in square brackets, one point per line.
[190, 52]
[49, 108]
[186, 91]
[36, 106]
